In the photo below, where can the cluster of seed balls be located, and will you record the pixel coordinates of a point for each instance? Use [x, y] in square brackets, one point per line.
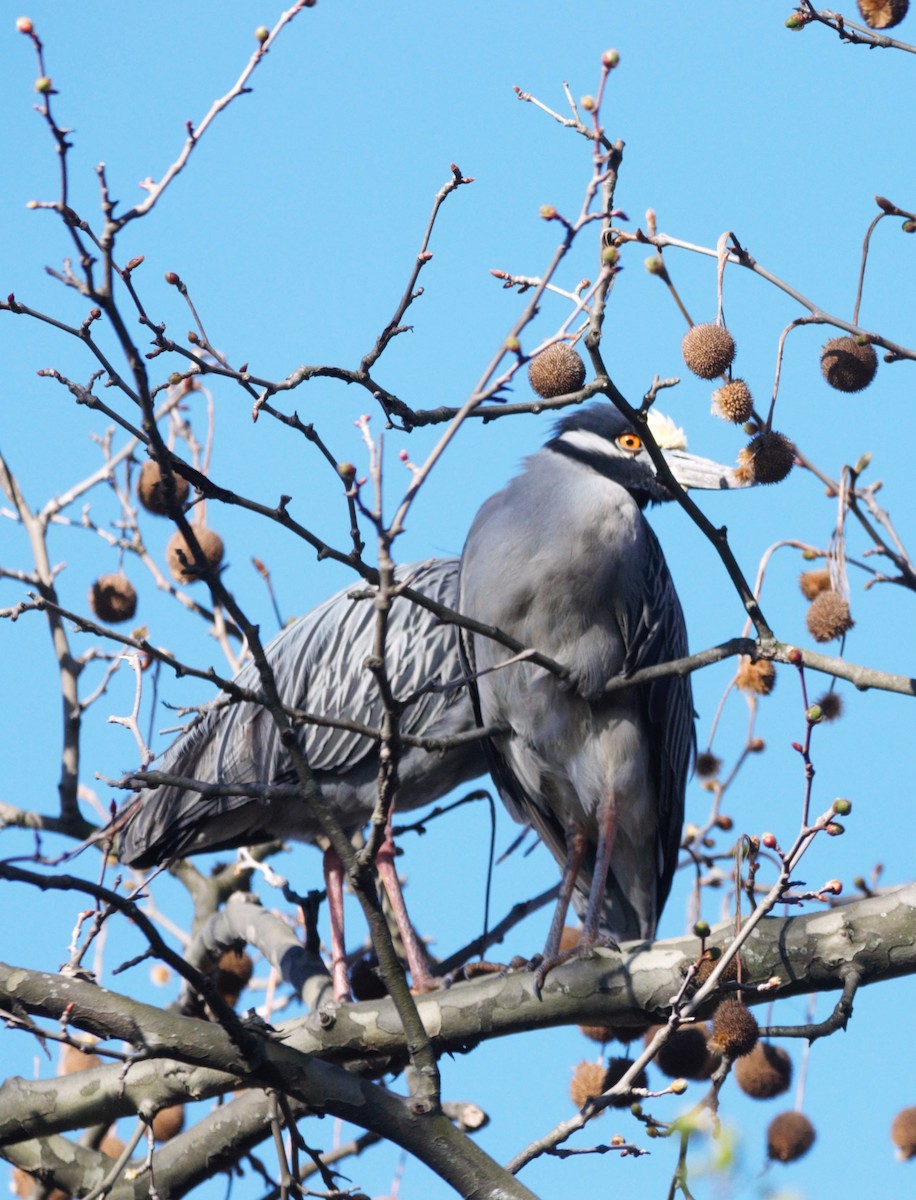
[709, 351]
[828, 615]
[761, 1069]
[113, 598]
[231, 976]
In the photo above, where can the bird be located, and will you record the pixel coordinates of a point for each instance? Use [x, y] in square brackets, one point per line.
[318, 664]
[564, 561]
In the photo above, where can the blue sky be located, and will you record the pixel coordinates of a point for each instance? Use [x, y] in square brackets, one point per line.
[295, 228]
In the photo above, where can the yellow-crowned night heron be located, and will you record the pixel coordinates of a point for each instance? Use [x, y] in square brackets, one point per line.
[564, 560]
[318, 663]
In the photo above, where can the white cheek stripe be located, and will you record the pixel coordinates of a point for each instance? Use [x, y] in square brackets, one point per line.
[591, 443]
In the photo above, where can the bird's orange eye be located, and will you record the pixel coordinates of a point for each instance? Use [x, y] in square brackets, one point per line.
[630, 441]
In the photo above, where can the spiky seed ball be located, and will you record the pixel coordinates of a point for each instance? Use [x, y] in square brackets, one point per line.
[757, 677]
[765, 1072]
[883, 14]
[734, 1028]
[812, 583]
[557, 371]
[789, 1136]
[903, 1132]
[708, 765]
[113, 599]
[831, 706]
[151, 490]
[685, 1054]
[616, 1069]
[708, 965]
[168, 1122]
[847, 366]
[613, 1033]
[733, 402]
[767, 458]
[587, 1081]
[828, 617]
[180, 559]
[365, 981]
[708, 350]
[233, 973]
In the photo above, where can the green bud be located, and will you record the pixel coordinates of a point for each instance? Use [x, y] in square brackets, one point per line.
[842, 807]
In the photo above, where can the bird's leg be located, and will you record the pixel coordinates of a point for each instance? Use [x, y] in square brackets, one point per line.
[576, 844]
[333, 882]
[607, 831]
[421, 978]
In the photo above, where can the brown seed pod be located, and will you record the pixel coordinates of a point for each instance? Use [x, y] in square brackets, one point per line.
[569, 938]
[168, 1122]
[765, 1072]
[758, 678]
[613, 1033]
[828, 617]
[557, 371]
[903, 1132]
[72, 1059]
[233, 973]
[616, 1069]
[708, 965]
[708, 350]
[365, 981]
[733, 402]
[734, 1028]
[113, 599]
[767, 458]
[708, 765]
[151, 489]
[847, 366]
[112, 1145]
[831, 705]
[686, 1054]
[812, 583]
[789, 1136]
[587, 1081]
[883, 14]
[180, 559]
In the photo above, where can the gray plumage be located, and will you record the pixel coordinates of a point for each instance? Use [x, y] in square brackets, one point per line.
[564, 560]
[318, 665]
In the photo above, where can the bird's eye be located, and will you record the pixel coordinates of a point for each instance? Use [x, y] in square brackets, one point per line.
[630, 441]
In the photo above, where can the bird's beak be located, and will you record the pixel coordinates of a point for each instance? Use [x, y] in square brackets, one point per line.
[693, 472]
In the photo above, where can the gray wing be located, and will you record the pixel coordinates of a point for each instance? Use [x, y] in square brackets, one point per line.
[656, 633]
[318, 666]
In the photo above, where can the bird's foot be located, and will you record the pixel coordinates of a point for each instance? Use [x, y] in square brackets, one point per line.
[420, 986]
[473, 970]
[543, 966]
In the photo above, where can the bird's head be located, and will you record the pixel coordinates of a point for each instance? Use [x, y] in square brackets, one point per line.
[602, 438]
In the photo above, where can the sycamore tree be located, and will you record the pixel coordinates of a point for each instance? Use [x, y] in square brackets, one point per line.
[254, 372]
